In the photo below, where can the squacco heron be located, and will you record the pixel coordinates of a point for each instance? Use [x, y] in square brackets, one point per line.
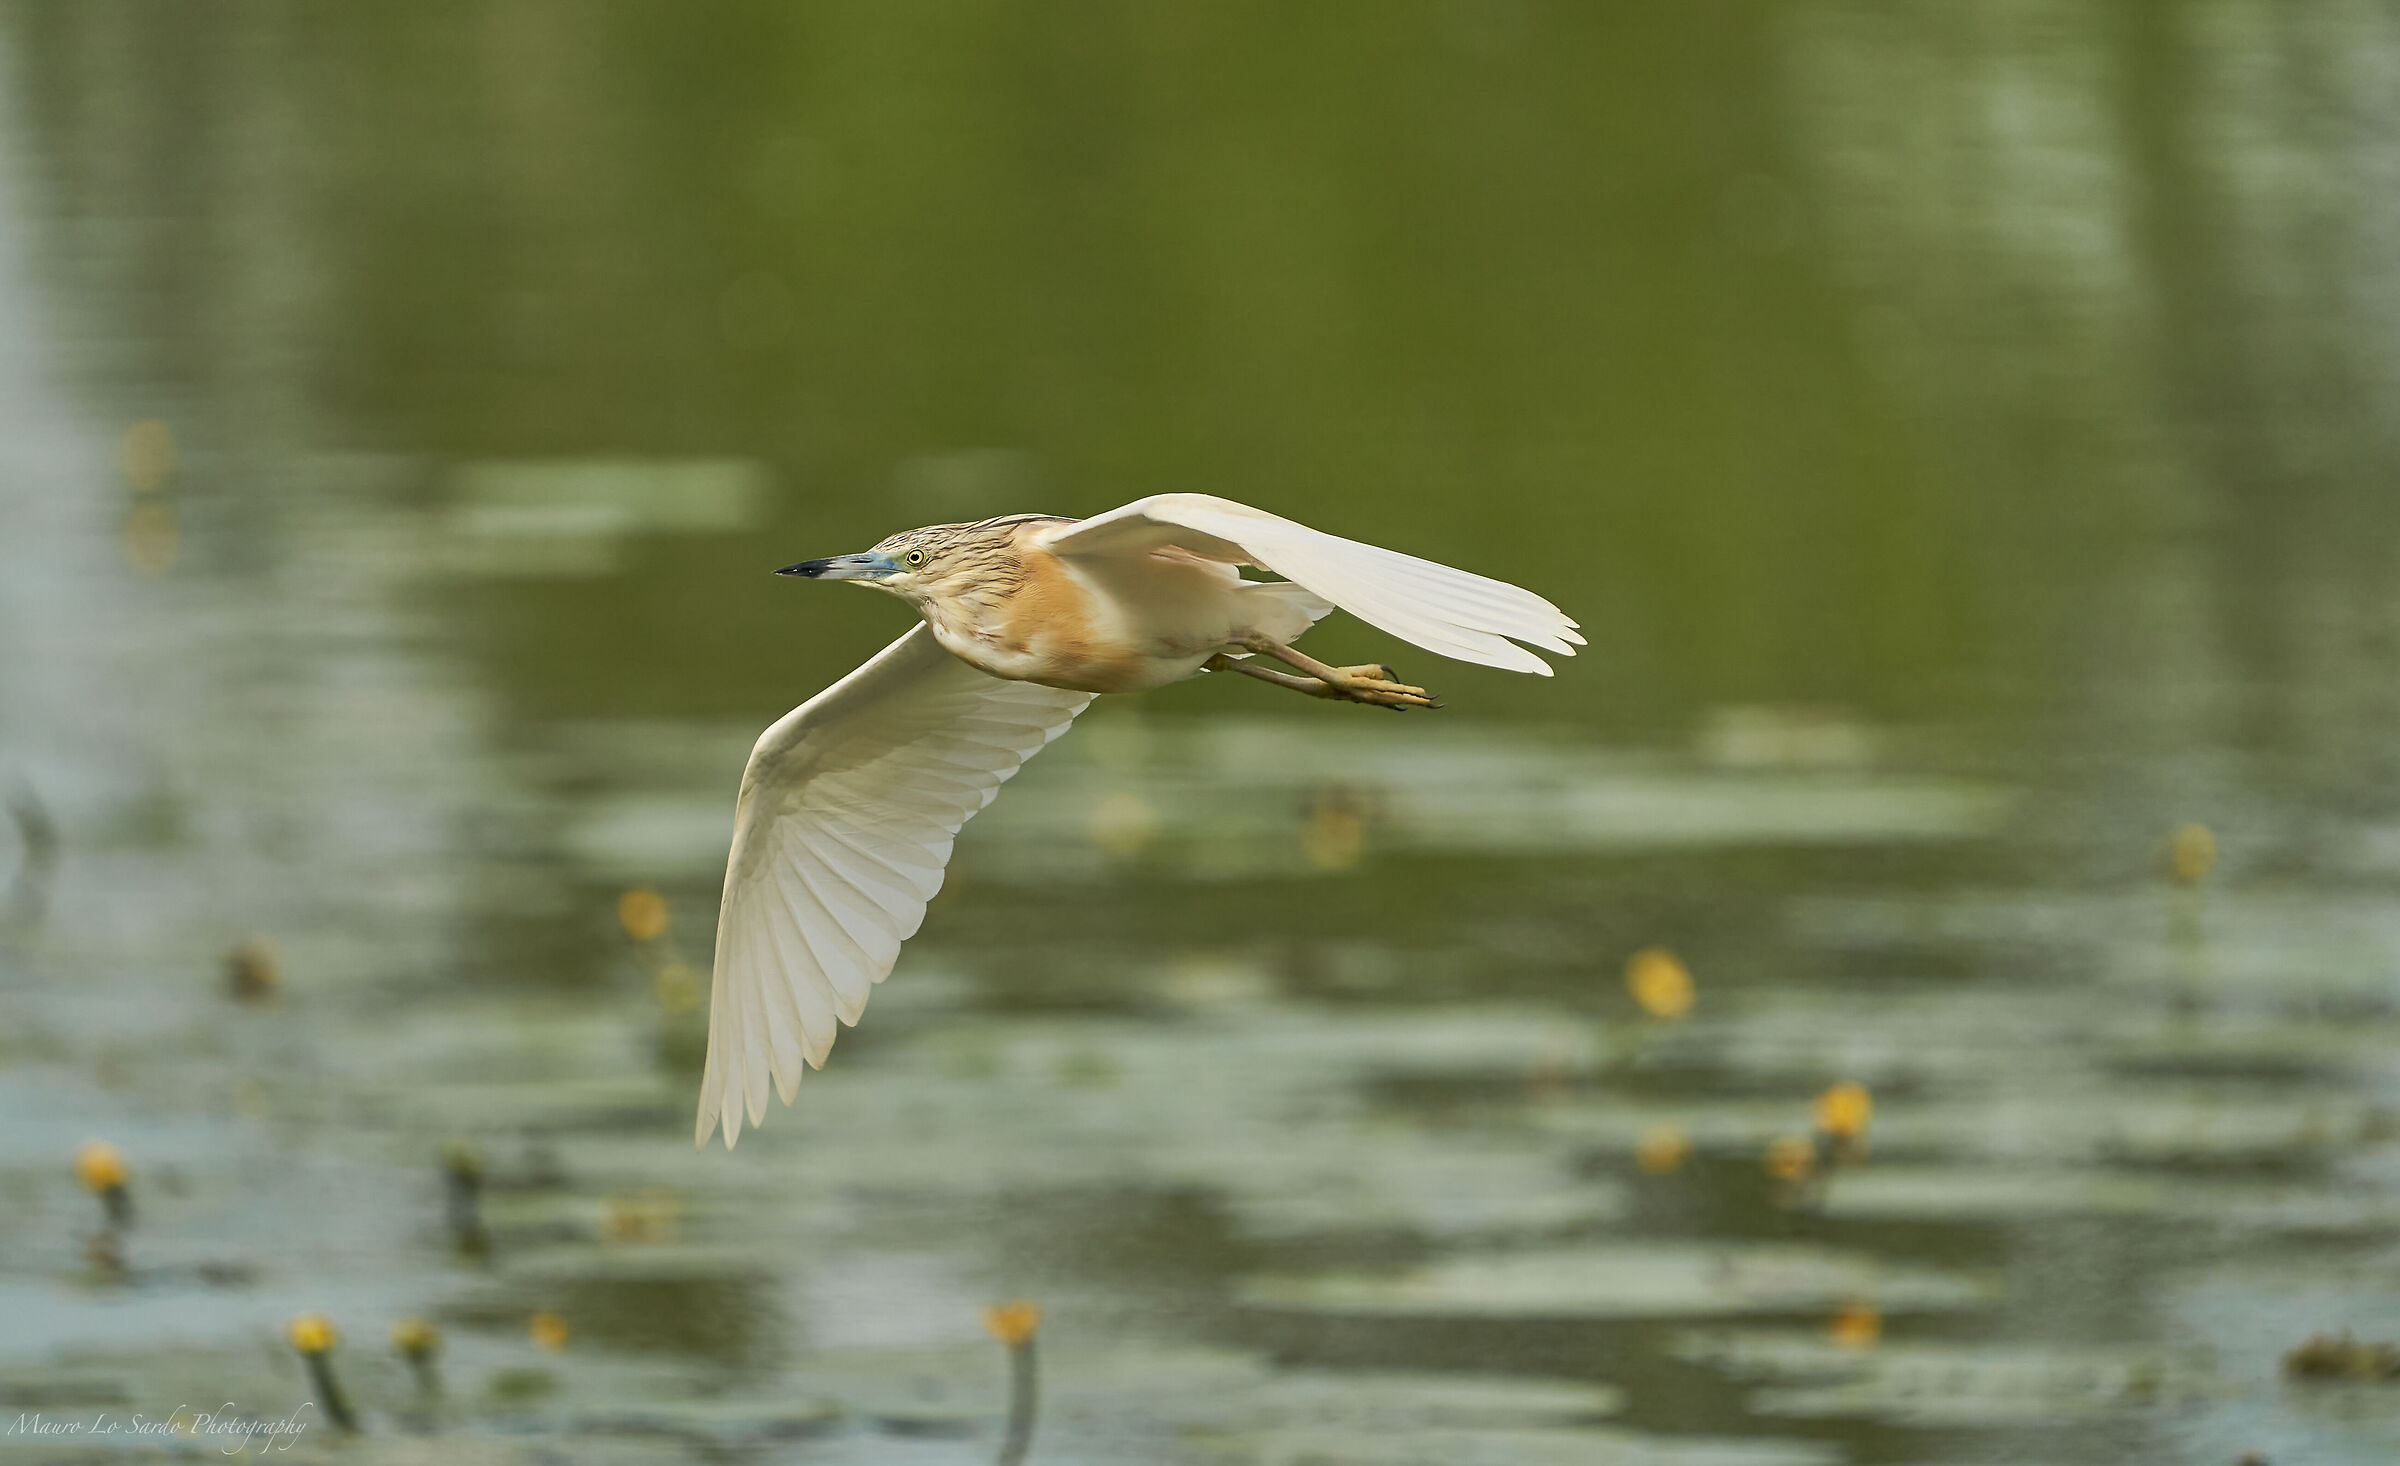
[851, 802]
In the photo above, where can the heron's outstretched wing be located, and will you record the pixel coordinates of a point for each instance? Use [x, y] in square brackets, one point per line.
[1449, 611]
[846, 817]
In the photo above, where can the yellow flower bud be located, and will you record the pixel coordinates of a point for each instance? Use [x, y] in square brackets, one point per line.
[99, 1167]
[416, 1337]
[2191, 854]
[312, 1333]
[643, 914]
[1014, 1322]
[1856, 1326]
[1663, 1148]
[1844, 1110]
[1659, 982]
[1791, 1157]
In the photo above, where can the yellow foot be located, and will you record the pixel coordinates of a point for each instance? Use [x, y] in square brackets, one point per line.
[1379, 686]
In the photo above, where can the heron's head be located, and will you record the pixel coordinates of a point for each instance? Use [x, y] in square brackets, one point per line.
[941, 562]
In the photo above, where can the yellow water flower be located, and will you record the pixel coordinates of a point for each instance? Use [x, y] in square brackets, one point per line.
[548, 1330]
[415, 1337]
[647, 1215]
[1659, 982]
[1333, 839]
[643, 914]
[2191, 854]
[99, 1167]
[461, 1161]
[1856, 1326]
[312, 1333]
[1844, 1110]
[1791, 1157]
[1124, 824]
[1662, 1148]
[1013, 1322]
[1335, 833]
[676, 987]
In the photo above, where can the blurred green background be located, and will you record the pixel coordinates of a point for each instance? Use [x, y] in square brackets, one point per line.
[1962, 430]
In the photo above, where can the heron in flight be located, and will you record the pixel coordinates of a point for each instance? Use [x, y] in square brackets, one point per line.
[851, 802]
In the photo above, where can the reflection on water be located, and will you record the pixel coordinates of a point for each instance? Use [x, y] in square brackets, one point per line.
[1957, 430]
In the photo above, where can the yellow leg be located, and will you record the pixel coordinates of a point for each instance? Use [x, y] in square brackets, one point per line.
[1373, 684]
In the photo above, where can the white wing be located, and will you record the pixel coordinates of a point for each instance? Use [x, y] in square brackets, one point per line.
[847, 813]
[1449, 611]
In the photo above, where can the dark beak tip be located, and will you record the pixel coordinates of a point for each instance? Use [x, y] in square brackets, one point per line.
[805, 567]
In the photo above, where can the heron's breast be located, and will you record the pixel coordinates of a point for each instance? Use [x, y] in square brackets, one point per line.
[1064, 627]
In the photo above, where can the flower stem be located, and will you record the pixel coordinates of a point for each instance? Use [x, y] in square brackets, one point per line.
[329, 1392]
[1024, 1401]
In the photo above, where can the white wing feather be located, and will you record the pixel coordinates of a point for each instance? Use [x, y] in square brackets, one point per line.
[1470, 617]
[847, 813]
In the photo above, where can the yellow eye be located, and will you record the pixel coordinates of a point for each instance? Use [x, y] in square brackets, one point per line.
[916, 557]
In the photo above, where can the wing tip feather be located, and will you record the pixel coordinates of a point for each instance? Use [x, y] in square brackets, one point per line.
[712, 1107]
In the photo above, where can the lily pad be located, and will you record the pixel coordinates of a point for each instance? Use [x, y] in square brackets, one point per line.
[1371, 1401]
[1336, 1446]
[1955, 1385]
[719, 1424]
[1622, 1280]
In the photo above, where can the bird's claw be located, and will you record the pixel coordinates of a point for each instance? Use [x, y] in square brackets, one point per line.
[1379, 686]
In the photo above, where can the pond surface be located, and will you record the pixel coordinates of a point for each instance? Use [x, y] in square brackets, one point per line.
[1964, 436]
